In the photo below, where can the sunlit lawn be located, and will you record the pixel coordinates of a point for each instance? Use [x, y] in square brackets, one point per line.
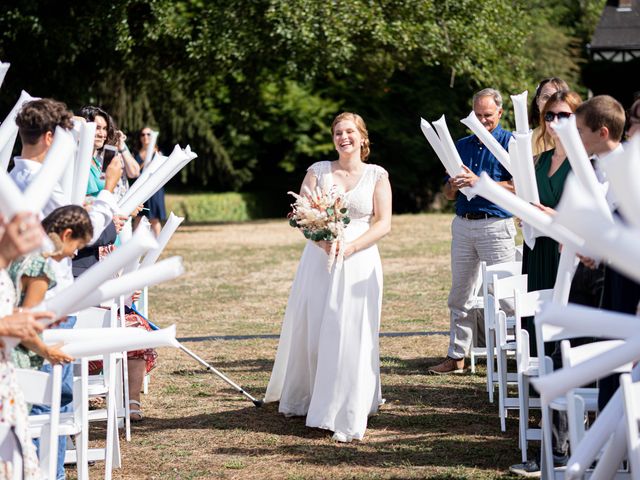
[237, 283]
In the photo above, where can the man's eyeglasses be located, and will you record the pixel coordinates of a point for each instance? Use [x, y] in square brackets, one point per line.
[551, 116]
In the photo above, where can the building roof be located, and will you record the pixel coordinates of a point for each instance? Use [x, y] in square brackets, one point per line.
[618, 28]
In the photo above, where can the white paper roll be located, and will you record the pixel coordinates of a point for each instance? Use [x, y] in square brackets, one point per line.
[55, 162]
[152, 163]
[52, 336]
[623, 171]
[566, 270]
[489, 189]
[520, 110]
[526, 168]
[580, 164]
[561, 381]
[67, 300]
[154, 182]
[578, 212]
[127, 284]
[445, 148]
[165, 337]
[12, 200]
[6, 151]
[488, 140]
[84, 156]
[4, 66]
[173, 222]
[9, 129]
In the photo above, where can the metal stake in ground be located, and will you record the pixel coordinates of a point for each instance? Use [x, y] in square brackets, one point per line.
[238, 388]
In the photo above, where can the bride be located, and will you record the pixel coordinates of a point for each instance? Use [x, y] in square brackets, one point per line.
[328, 365]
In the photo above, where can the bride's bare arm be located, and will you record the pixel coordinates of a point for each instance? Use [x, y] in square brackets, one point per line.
[309, 183]
[381, 222]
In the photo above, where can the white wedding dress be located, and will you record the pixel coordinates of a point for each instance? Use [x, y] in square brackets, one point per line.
[328, 364]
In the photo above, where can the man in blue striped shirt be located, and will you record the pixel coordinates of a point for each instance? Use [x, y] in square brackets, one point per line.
[481, 231]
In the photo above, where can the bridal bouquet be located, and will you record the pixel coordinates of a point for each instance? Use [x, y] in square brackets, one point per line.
[322, 215]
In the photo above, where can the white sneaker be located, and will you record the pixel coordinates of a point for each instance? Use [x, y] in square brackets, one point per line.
[341, 437]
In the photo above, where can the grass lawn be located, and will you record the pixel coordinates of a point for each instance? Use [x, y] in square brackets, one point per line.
[237, 281]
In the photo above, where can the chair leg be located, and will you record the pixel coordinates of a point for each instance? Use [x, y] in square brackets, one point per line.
[546, 465]
[502, 389]
[490, 340]
[127, 409]
[523, 421]
[145, 384]
[473, 361]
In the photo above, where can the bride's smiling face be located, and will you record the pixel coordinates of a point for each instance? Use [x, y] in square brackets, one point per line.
[346, 137]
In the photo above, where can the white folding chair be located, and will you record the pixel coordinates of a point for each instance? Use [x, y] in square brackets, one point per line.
[631, 402]
[45, 389]
[143, 307]
[527, 305]
[504, 289]
[501, 270]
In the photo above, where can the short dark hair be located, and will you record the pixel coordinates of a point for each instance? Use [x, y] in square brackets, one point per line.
[70, 216]
[38, 117]
[603, 111]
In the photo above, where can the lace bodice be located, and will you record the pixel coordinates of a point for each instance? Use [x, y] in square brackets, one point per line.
[360, 198]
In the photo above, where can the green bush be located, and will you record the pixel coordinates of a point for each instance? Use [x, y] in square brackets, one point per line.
[221, 207]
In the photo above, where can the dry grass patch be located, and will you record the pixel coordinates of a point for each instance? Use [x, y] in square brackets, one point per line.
[238, 282]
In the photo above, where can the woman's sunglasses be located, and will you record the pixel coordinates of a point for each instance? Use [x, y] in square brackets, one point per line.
[551, 116]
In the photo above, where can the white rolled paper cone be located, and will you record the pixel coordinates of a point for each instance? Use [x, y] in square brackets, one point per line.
[9, 129]
[526, 168]
[144, 223]
[566, 270]
[127, 232]
[489, 189]
[189, 156]
[4, 66]
[55, 162]
[67, 179]
[445, 148]
[165, 337]
[151, 148]
[520, 110]
[6, 151]
[623, 171]
[584, 454]
[579, 160]
[127, 284]
[51, 336]
[84, 156]
[67, 300]
[12, 200]
[153, 183]
[561, 381]
[173, 222]
[488, 140]
[149, 169]
[613, 241]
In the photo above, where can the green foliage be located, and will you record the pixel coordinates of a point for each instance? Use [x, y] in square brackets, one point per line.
[220, 207]
[253, 85]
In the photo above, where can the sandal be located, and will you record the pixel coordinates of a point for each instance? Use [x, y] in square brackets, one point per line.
[135, 415]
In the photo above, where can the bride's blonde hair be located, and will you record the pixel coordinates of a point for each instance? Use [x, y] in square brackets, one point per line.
[365, 150]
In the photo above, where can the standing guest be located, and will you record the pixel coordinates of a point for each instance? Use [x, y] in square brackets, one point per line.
[154, 207]
[634, 119]
[601, 123]
[481, 231]
[328, 363]
[541, 141]
[17, 453]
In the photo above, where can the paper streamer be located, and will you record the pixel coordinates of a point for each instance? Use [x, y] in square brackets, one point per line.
[580, 164]
[528, 232]
[520, 110]
[9, 129]
[55, 162]
[68, 299]
[488, 140]
[128, 341]
[7, 150]
[176, 161]
[153, 160]
[4, 66]
[173, 222]
[51, 336]
[451, 165]
[566, 270]
[623, 171]
[489, 189]
[127, 284]
[84, 156]
[578, 212]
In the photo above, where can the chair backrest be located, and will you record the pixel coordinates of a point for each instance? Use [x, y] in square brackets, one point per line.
[95, 317]
[631, 402]
[37, 387]
[527, 304]
[504, 288]
[500, 270]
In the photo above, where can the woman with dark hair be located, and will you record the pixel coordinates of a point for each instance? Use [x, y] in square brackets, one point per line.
[155, 210]
[545, 89]
[633, 119]
[328, 364]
